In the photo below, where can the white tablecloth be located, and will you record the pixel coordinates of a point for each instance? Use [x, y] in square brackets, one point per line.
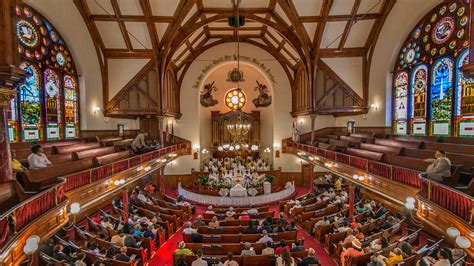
[236, 201]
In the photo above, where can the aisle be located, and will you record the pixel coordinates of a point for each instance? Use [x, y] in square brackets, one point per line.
[163, 256]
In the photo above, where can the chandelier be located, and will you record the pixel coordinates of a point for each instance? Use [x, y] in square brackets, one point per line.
[238, 131]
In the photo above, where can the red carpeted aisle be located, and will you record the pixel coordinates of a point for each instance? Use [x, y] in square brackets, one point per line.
[163, 256]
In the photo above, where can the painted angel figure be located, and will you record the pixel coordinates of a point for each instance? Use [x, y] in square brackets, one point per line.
[206, 95]
[263, 99]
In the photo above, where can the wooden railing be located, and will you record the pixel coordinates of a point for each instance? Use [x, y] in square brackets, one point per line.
[24, 213]
[455, 201]
[86, 177]
[396, 173]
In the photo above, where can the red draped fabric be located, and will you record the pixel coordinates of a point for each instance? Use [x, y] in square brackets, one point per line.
[4, 231]
[77, 180]
[406, 176]
[60, 194]
[331, 155]
[119, 166]
[379, 169]
[33, 209]
[101, 172]
[342, 158]
[321, 152]
[146, 157]
[457, 203]
[358, 162]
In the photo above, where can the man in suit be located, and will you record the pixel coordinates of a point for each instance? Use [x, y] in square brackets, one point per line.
[123, 255]
[440, 167]
[130, 241]
[296, 247]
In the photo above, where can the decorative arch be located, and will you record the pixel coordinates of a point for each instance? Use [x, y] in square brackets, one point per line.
[48, 102]
[431, 56]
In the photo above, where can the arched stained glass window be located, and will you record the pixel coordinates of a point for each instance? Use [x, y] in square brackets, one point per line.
[401, 102]
[30, 99]
[71, 111]
[418, 85]
[52, 103]
[442, 96]
[40, 110]
[464, 102]
[432, 54]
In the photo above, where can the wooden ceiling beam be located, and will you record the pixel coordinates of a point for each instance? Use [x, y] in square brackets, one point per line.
[349, 24]
[324, 13]
[123, 28]
[123, 53]
[132, 18]
[345, 52]
[242, 11]
[335, 18]
[151, 27]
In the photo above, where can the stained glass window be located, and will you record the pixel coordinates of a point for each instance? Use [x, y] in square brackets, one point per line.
[432, 54]
[70, 107]
[401, 102]
[39, 113]
[464, 102]
[442, 96]
[30, 98]
[419, 83]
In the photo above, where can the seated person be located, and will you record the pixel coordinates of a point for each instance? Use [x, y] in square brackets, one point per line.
[310, 259]
[199, 221]
[443, 259]
[440, 167]
[189, 230]
[251, 229]
[285, 259]
[209, 210]
[279, 228]
[244, 216]
[320, 223]
[281, 219]
[348, 240]
[265, 227]
[199, 261]
[59, 255]
[106, 222]
[268, 250]
[182, 250]
[214, 223]
[180, 202]
[150, 188]
[248, 250]
[148, 232]
[354, 251]
[296, 247]
[291, 227]
[122, 256]
[80, 259]
[117, 240]
[230, 213]
[395, 257]
[16, 165]
[230, 260]
[252, 210]
[130, 241]
[265, 238]
[281, 247]
[139, 142]
[37, 159]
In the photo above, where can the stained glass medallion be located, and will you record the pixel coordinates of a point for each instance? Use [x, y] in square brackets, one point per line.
[443, 30]
[27, 33]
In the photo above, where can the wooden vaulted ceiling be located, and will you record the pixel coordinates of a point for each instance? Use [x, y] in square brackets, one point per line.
[172, 33]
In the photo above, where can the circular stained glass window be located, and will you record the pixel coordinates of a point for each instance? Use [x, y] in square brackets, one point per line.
[410, 56]
[443, 30]
[27, 33]
[235, 99]
[417, 33]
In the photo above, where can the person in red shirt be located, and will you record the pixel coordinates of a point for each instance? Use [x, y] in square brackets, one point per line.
[96, 219]
[244, 216]
[281, 247]
[354, 251]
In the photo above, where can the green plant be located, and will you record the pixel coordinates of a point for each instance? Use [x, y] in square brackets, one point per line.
[270, 178]
[203, 180]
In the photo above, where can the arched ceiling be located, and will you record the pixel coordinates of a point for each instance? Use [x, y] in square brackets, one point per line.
[294, 28]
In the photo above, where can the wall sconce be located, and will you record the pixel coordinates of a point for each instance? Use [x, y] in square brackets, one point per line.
[459, 240]
[31, 246]
[74, 209]
[96, 109]
[196, 148]
[374, 106]
[276, 147]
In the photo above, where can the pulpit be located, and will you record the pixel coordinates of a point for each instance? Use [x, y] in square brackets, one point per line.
[267, 188]
[238, 191]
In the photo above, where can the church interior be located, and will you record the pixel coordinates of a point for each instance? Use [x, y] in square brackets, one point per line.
[236, 132]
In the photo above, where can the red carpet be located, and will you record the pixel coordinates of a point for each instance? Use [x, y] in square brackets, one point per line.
[163, 256]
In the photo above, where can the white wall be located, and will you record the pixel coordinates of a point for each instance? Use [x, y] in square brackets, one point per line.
[401, 20]
[65, 17]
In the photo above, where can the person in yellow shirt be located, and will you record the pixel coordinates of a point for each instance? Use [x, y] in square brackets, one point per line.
[182, 250]
[395, 257]
[338, 184]
[16, 165]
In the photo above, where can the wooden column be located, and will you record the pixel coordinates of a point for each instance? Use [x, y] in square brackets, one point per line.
[125, 204]
[9, 76]
[311, 177]
[160, 130]
[351, 188]
[313, 118]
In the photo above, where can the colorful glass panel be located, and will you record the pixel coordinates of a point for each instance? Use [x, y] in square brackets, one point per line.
[70, 106]
[418, 95]
[401, 102]
[53, 104]
[442, 95]
[30, 98]
[464, 102]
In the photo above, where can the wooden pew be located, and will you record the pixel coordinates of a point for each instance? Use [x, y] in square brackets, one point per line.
[85, 154]
[381, 148]
[23, 149]
[11, 194]
[238, 238]
[258, 260]
[110, 158]
[322, 140]
[109, 141]
[224, 248]
[54, 159]
[407, 162]
[363, 135]
[399, 143]
[259, 215]
[38, 179]
[352, 140]
[332, 136]
[449, 147]
[75, 148]
[370, 155]
[339, 143]
[466, 160]
[123, 144]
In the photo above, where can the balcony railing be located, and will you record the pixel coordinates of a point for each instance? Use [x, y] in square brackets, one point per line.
[457, 202]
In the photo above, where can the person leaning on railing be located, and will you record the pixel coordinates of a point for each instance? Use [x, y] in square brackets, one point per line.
[439, 167]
